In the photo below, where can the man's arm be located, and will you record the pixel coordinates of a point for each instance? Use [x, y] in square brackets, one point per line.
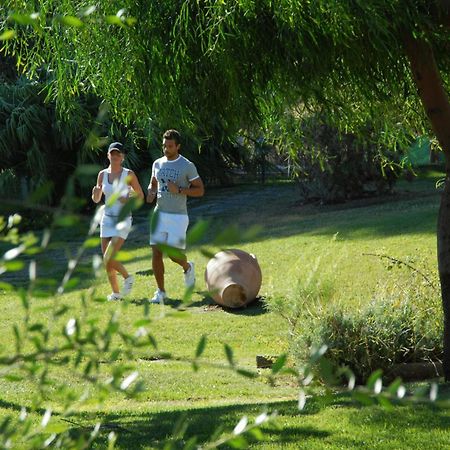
[152, 190]
[195, 189]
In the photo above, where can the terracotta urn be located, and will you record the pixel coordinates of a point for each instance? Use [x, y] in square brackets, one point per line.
[233, 278]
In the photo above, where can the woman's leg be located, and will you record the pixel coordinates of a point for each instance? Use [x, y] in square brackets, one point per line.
[110, 246]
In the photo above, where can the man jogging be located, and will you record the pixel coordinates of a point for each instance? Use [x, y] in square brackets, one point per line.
[174, 178]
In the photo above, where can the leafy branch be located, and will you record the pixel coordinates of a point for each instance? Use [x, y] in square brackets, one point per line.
[406, 264]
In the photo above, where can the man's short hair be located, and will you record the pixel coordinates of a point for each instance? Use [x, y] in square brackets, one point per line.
[173, 135]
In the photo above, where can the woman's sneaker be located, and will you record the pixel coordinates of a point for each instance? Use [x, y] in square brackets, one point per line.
[189, 276]
[127, 285]
[114, 296]
[158, 296]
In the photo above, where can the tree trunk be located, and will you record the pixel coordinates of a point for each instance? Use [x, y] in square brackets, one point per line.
[437, 106]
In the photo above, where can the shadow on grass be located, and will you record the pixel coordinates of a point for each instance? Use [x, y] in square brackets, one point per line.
[139, 430]
[17, 407]
[145, 273]
[176, 303]
[152, 430]
[400, 213]
[255, 308]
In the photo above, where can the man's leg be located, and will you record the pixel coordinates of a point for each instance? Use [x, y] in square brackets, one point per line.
[177, 238]
[182, 261]
[188, 268]
[158, 267]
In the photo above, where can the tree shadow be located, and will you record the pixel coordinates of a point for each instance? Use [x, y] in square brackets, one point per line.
[150, 430]
[389, 215]
[18, 407]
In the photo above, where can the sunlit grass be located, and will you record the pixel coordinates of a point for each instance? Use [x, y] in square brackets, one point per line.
[338, 242]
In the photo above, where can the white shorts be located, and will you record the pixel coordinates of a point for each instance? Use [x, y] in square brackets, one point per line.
[109, 227]
[169, 229]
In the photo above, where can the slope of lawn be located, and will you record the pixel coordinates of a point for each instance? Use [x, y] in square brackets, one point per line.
[338, 244]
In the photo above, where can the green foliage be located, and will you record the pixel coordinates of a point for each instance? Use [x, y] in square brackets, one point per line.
[226, 66]
[380, 336]
[401, 324]
[334, 167]
[39, 152]
[49, 158]
[216, 69]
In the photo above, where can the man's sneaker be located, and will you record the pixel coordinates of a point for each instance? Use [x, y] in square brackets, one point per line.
[189, 275]
[158, 297]
[113, 297]
[127, 285]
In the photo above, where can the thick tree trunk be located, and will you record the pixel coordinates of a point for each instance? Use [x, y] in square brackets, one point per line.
[437, 106]
[443, 244]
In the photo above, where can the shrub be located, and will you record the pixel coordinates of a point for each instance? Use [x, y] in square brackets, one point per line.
[334, 167]
[402, 324]
[378, 336]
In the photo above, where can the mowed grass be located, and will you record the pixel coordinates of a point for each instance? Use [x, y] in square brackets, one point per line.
[294, 242]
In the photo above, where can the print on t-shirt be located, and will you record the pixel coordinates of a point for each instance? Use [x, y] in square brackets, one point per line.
[181, 172]
[166, 174]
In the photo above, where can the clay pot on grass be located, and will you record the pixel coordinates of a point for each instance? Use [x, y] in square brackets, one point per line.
[233, 278]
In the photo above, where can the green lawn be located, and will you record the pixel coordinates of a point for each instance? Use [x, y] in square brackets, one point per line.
[294, 242]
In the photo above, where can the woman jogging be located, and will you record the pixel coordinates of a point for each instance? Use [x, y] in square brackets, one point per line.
[116, 183]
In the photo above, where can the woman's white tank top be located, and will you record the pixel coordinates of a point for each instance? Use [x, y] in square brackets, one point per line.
[119, 186]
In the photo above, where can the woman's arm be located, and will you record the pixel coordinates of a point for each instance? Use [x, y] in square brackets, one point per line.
[134, 183]
[97, 189]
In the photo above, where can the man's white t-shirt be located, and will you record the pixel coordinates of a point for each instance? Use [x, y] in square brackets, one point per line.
[180, 171]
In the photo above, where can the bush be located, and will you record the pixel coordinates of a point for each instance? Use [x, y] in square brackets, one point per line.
[379, 336]
[402, 324]
[334, 167]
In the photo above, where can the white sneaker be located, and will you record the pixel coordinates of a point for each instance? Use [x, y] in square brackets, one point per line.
[127, 285]
[113, 297]
[189, 276]
[158, 296]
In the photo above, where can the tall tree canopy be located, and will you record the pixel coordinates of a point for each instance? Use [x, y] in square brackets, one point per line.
[201, 64]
